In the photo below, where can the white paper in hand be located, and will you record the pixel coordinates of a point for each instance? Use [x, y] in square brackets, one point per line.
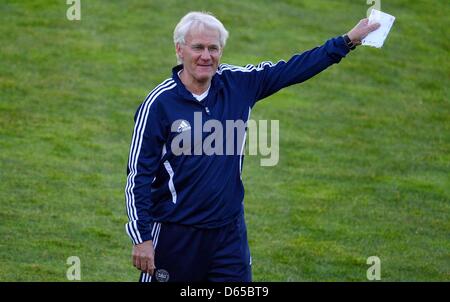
[377, 37]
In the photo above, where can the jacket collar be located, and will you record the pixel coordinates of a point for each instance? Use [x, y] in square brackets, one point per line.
[216, 84]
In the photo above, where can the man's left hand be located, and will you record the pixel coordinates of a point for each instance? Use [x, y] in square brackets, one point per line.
[361, 30]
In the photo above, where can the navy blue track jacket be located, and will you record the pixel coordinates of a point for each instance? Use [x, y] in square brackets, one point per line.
[203, 191]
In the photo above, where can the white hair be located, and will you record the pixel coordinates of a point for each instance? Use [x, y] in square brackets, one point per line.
[196, 20]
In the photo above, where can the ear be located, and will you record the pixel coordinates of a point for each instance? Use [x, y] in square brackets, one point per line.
[179, 50]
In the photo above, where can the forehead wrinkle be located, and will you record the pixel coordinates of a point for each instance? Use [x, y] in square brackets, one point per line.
[208, 33]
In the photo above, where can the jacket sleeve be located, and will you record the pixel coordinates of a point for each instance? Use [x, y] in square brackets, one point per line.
[267, 78]
[145, 153]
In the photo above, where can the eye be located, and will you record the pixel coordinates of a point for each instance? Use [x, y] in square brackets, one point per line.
[213, 49]
[197, 47]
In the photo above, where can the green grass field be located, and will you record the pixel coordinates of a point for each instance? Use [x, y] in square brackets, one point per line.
[364, 147]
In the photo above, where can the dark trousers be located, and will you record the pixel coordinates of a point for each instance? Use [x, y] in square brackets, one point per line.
[189, 254]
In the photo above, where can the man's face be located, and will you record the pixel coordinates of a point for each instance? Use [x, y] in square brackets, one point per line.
[200, 54]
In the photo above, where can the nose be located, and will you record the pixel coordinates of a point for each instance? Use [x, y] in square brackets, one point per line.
[205, 54]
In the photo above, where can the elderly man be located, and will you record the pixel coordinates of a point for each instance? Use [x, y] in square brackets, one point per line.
[186, 209]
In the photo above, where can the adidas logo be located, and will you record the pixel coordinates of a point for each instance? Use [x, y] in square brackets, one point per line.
[184, 126]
